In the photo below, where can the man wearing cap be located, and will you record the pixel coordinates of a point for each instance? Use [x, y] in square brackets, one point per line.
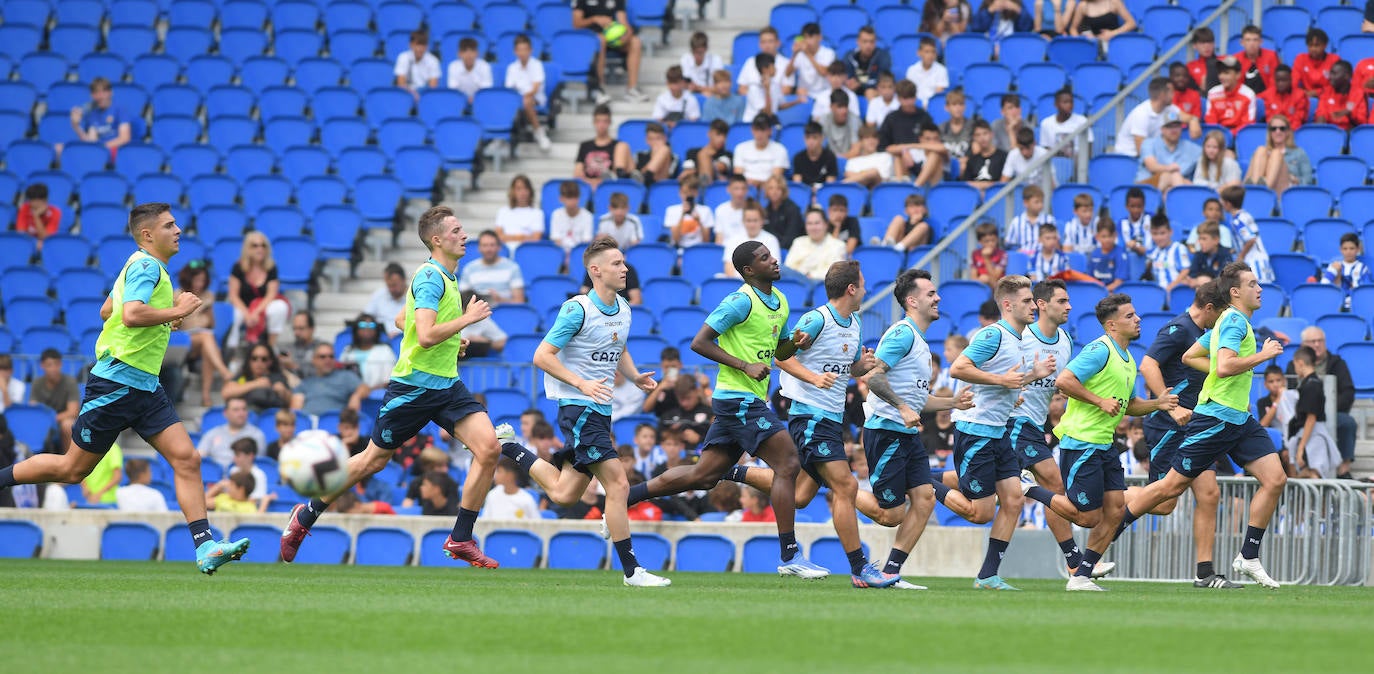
[1230, 104]
[1167, 159]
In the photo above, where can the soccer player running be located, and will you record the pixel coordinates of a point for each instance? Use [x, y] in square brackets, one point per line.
[1099, 383]
[124, 391]
[744, 334]
[581, 354]
[1221, 424]
[994, 363]
[1027, 431]
[425, 387]
[1164, 370]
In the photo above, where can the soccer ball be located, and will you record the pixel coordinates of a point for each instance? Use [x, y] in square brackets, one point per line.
[614, 34]
[314, 463]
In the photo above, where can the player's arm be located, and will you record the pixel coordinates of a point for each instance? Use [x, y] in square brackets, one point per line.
[704, 344]
[1230, 364]
[430, 334]
[628, 369]
[963, 369]
[963, 401]
[796, 369]
[1069, 383]
[881, 387]
[1198, 358]
[1139, 407]
[107, 309]
[1154, 377]
[138, 291]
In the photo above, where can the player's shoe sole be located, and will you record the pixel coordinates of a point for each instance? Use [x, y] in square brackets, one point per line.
[1083, 584]
[993, 583]
[803, 568]
[904, 585]
[468, 551]
[219, 553]
[1100, 570]
[642, 578]
[1255, 571]
[1216, 582]
[293, 535]
[504, 433]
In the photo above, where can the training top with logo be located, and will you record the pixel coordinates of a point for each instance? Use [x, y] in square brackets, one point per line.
[994, 349]
[904, 350]
[1167, 349]
[591, 338]
[133, 356]
[1108, 371]
[835, 346]
[1035, 398]
[1227, 398]
[749, 325]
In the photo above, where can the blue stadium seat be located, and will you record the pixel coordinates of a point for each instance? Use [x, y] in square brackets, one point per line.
[1305, 203]
[287, 132]
[1322, 238]
[1360, 356]
[24, 282]
[317, 191]
[282, 101]
[457, 141]
[645, 348]
[1165, 20]
[1110, 171]
[151, 70]
[211, 190]
[1320, 141]
[1152, 323]
[175, 131]
[432, 552]
[263, 191]
[18, 39]
[576, 550]
[129, 541]
[963, 50]
[206, 72]
[193, 13]
[760, 555]
[1037, 80]
[514, 549]
[879, 262]
[299, 162]
[549, 291]
[715, 290]
[16, 250]
[577, 50]
[540, 255]
[634, 191]
[336, 228]
[20, 539]
[71, 39]
[225, 100]
[340, 16]
[298, 46]
[1093, 79]
[439, 104]
[304, 16]
[446, 17]
[30, 425]
[498, 19]
[43, 69]
[1342, 329]
[328, 545]
[1147, 297]
[65, 252]
[240, 44]
[27, 12]
[701, 262]
[1018, 50]
[226, 132]
[1337, 174]
[80, 13]
[384, 104]
[1291, 269]
[356, 50]
[18, 96]
[185, 43]
[384, 546]
[668, 292]
[177, 546]
[1086, 294]
[334, 102]
[1133, 50]
[340, 133]
[516, 318]
[14, 124]
[40, 338]
[1312, 300]
[56, 127]
[1072, 52]
[243, 162]
[261, 72]
[317, 74]
[652, 260]
[377, 198]
[829, 553]
[190, 160]
[27, 157]
[789, 18]
[704, 552]
[396, 133]
[297, 258]
[101, 221]
[81, 160]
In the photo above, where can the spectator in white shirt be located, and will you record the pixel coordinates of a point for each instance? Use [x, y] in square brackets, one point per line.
[620, 223]
[1023, 155]
[753, 231]
[729, 216]
[496, 279]
[390, 299]
[812, 255]
[699, 64]
[810, 63]
[872, 166]
[526, 75]
[217, 443]
[837, 75]
[137, 496]
[765, 96]
[885, 102]
[750, 74]
[416, 68]
[689, 222]
[469, 74]
[519, 221]
[1146, 119]
[929, 76]
[571, 224]
[506, 500]
[761, 158]
[1063, 123]
[675, 104]
[12, 388]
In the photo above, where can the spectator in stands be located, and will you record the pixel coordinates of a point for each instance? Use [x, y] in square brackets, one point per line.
[372, 358]
[11, 387]
[1257, 64]
[1283, 99]
[331, 389]
[1230, 104]
[956, 133]
[1363, 78]
[841, 125]
[603, 157]
[37, 216]
[137, 496]
[100, 486]
[754, 506]
[1168, 159]
[101, 120]
[911, 229]
[233, 496]
[999, 18]
[722, 104]
[1064, 123]
[8, 455]
[1145, 120]
[929, 76]
[883, 100]
[729, 215]
[815, 164]
[469, 73]
[988, 263]
[782, 217]
[1367, 26]
[1187, 96]
[1215, 167]
[1210, 257]
[749, 73]
[675, 104]
[761, 158]
[753, 231]
[943, 18]
[1279, 163]
[439, 494]
[1341, 103]
[416, 68]
[811, 255]
[55, 390]
[1023, 232]
[1313, 68]
[389, 300]
[195, 278]
[519, 220]
[626, 397]
[430, 459]
[699, 65]
[689, 223]
[349, 432]
[1027, 153]
[1108, 263]
[765, 98]
[647, 454]
[620, 224]
[526, 76]
[1245, 232]
[349, 503]
[1100, 19]
[572, 224]
[1275, 408]
[494, 278]
[1080, 230]
[506, 500]
[866, 63]
[245, 451]
[1049, 260]
[1326, 363]
[1204, 67]
[1169, 260]
[929, 158]
[712, 161]
[261, 382]
[1211, 212]
[217, 444]
[1004, 130]
[1347, 273]
[985, 161]
[843, 226]
[597, 16]
[1311, 448]
[870, 166]
[822, 104]
[809, 64]
[285, 423]
[901, 130]
[658, 162]
[1135, 227]
[260, 310]
[295, 356]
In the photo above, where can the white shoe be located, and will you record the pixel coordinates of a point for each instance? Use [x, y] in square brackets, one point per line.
[1255, 570]
[504, 433]
[1027, 481]
[1103, 568]
[542, 138]
[600, 97]
[903, 585]
[635, 96]
[605, 530]
[642, 578]
[1081, 584]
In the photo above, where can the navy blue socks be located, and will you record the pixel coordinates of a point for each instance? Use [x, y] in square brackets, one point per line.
[311, 512]
[627, 556]
[200, 532]
[788, 541]
[1127, 519]
[462, 529]
[1072, 555]
[737, 473]
[638, 492]
[996, 549]
[856, 560]
[1250, 548]
[1205, 569]
[1090, 558]
[895, 560]
[519, 454]
[941, 491]
[1040, 495]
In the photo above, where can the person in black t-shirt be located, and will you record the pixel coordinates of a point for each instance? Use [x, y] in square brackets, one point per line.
[597, 15]
[843, 226]
[630, 292]
[603, 157]
[711, 161]
[815, 165]
[782, 217]
[983, 166]
[1311, 447]
[682, 409]
[901, 129]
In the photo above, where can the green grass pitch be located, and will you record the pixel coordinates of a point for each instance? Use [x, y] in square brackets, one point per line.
[155, 617]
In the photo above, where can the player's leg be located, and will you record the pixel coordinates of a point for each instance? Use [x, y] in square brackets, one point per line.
[780, 453]
[477, 434]
[1003, 526]
[611, 473]
[1164, 444]
[1047, 475]
[370, 462]
[844, 490]
[174, 444]
[1113, 505]
[1206, 497]
[807, 487]
[585, 429]
[69, 468]
[1098, 486]
[715, 461]
[975, 467]
[562, 487]
[1253, 450]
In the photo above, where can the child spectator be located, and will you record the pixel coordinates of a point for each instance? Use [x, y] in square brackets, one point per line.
[519, 221]
[930, 76]
[1064, 123]
[689, 222]
[1108, 263]
[416, 68]
[1169, 260]
[603, 157]
[1215, 167]
[1023, 155]
[712, 161]
[1341, 103]
[1285, 99]
[871, 166]
[722, 103]
[811, 255]
[1080, 231]
[750, 74]
[1211, 212]
[1004, 130]
[1204, 67]
[38, 217]
[506, 500]
[927, 159]
[1275, 409]
[825, 102]
[232, 495]
[753, 231]
[1245, 233]
[1230, 104]
[571, 224]
[1023, 232]
[866, 63]
[911, 230]
[767, 95]
[699, 65]
[1310, 446]
[101, 120]
[469, 74]
[1312, 69]
[815, 164]
[245, 451]
[1187, 97]
[883, 102]
[754, 506]
[1257, 64]
[138, 496]
[1135, 227]
[675, 104]
[526, 75]
[658, 162]
[955, 344]
[810, 63]
[1349, 272]
[761, 158]
[1210, 257]
[985, 161]
[729, 216]
[989, 262]
[620, 224]
[957, 131]
[841, 125]
[843, 226]
[1049, 259]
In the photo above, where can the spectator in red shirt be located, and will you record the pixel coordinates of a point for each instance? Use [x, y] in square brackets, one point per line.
[1284, 100]
[1187, 98]
[1364, 75]
[1342, 104]
[1204, 67]
[1257, 64]
[755, 506]
[1311, 68]
[36, 215]
[1230, 104]
[989, 262]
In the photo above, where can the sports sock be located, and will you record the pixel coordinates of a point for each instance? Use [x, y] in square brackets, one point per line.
[1127, 519]
[311, 512]
[1250, 548]
[628, 562]
[856, 560]
[7, 477]
[638, 492]
[1040, 494]
[1205, 569]
[519, 454]
[200, 532]
[1072, 555]
[941, 491]
[993, 560]
[737, 473]
[788, 541]
[895, 560]
[462, 529]
[1085, 568]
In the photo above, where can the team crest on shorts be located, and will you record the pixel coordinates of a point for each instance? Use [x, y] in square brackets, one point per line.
[888, 495]
[1082, 498]
[823, 449]
[594, 454]
[386, 435]
[85, 435]
[1031, 451]
[1187, 464]
[764, 423]
[975, 485]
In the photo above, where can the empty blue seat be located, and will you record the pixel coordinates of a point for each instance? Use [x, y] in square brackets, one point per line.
[446, 17]
[384, 546]
[18, 39]
[440, 104]
[16, 250]
[27, 12]
[287, 132]
[297, 46]
[212, 190]
[303, 16]
[386, 103]
[1337, 174]
[965, 49]
[495, 110]
[576, 550]
[1306, 202]
[1291, 269]
[377, 198]
[226, 132]
[1322, 238]
[129, 541]
[1312, 300]
[668, 292]
[227, 100]
[190, 160]
[174, 131]
[187, 42]
[701, 262]
[24, 282]
[264, 191]
[499, 19]
[18, 97]
[577, 50]
[315, 74]
[340, 16]
[789, 18]
[704, 552]
[298, 257]
[1147, 297]
[20, 539]
[317, 191]
[281, 101]
[336, 228]
[396, 133]
[261, 72]
[27, 157]
[1320, 141]
[82, 159]
[72, 39]
[65, 252]
[30, 425]
[242, 162]
[1342, 329]
[514, 549]
[240, 44]
[356, 50]
[43, 69]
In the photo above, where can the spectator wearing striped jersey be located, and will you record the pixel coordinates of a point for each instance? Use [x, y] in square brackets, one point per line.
[1245, 232]
[1349, 272]
[1135, 227]
[1049, 259]
[1169, 260]
[1024, 230]
[1079, 230]
[1230, 104]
